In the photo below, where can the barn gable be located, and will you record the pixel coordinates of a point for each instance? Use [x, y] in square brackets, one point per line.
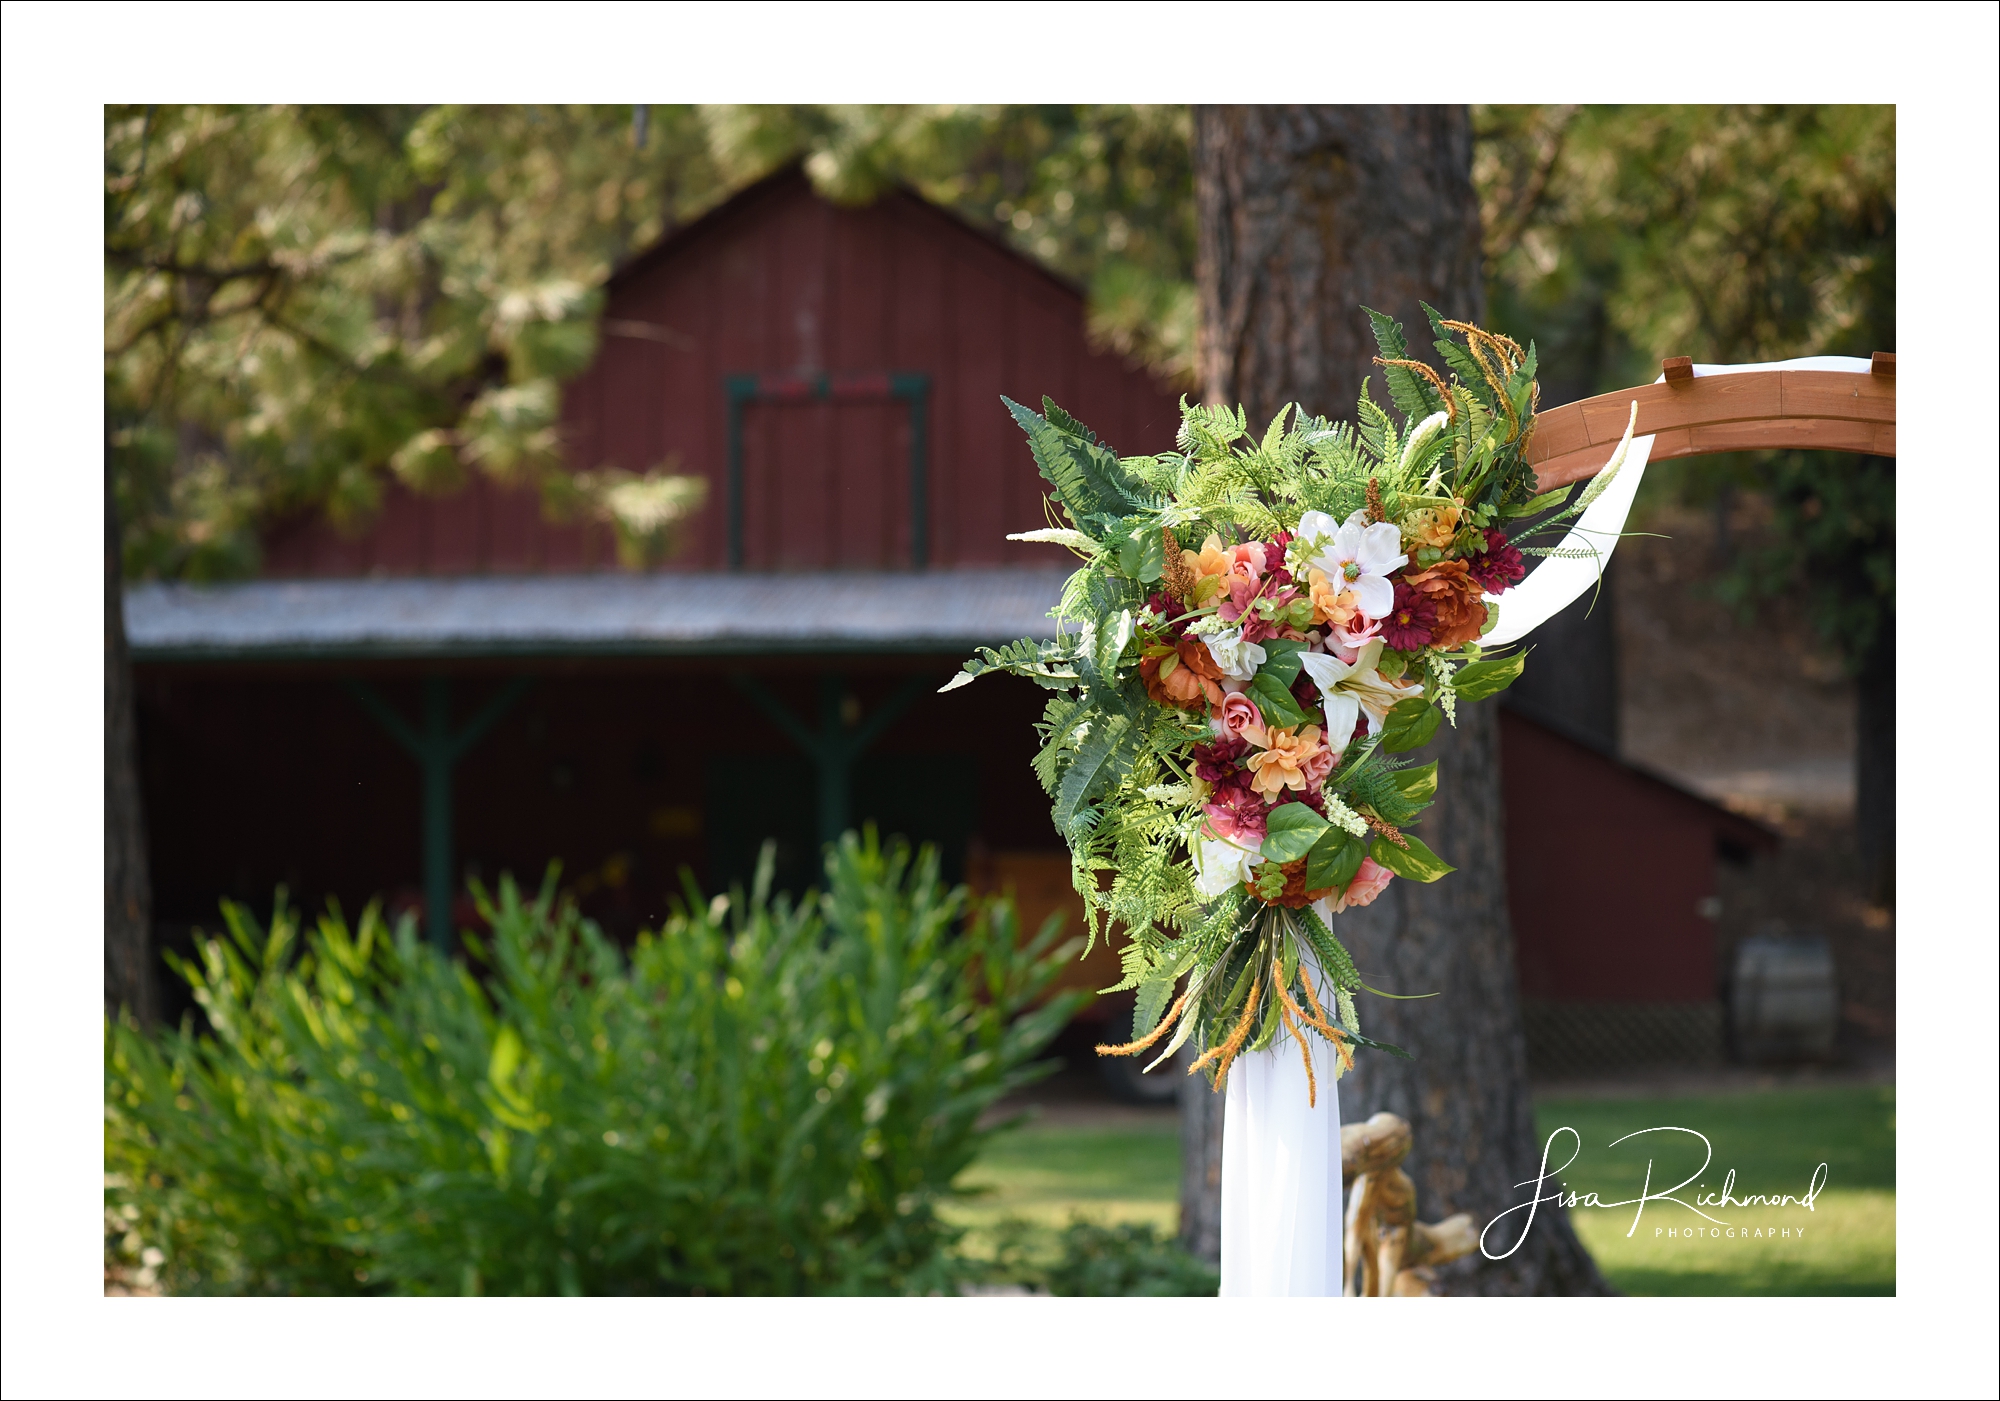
[833, 373]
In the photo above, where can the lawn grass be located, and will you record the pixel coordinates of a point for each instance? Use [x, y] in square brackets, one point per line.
[1774, 1139]
[1045, 1173]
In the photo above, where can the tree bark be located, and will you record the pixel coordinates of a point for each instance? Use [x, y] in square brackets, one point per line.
[1201, 1169]
[128, 893]
[1875, 764]
[1306, 214]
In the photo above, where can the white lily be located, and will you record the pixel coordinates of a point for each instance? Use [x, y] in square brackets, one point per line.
[1352, 689]
[1357, 557]
[1220, 866]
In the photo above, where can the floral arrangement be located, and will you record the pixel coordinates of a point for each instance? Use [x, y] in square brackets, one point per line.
[1260, 627]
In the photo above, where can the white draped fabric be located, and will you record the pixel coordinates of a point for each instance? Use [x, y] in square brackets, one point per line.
[1281, 1210]
[1281, 1213]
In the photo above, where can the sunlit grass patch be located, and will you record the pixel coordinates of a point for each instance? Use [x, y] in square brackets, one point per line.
[1045, 1174]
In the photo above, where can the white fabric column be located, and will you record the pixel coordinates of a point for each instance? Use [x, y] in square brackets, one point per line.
[1281, 1206]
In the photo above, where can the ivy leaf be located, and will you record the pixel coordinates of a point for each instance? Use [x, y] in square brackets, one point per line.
[1418, 863]
[1481, 679]
[1279, 708]
[1410, 724]
[1333, 860]
[1142, 555]
[1281, 659]
[1417, 785]
[1291, 831]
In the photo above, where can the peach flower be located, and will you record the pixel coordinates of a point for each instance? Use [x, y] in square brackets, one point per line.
[1295, 759]
[1333, 602]
[1193, 680]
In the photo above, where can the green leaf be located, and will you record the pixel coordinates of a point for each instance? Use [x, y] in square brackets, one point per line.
[1418, 863]
[1152, 556]
[1098, 764]
[1334, 859]
[1478, 680]
[1279, 708]
[1358, 1039]
[1291, 831]
[1087, 476]
[1547, 501]
[1410, 724]
[1281, 659]
[1419, 785]
[1410, 392]
[1154, 994]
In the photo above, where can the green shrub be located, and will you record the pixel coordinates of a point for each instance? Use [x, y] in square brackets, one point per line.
[1087, 1258]
[761, 1098]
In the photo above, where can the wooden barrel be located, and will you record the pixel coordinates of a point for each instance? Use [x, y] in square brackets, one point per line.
[1784, 999]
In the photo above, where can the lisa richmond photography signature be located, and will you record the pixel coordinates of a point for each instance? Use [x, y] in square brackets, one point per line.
[1694, 1202]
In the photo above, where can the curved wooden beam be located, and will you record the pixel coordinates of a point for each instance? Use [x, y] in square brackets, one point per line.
[1830, 409]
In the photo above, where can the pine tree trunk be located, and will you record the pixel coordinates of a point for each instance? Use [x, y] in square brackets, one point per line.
[128, 893]
[1875, 764]
[1305, 214]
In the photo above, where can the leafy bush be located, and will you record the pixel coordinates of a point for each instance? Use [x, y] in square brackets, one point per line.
[761, 1098]
[1089, 1259]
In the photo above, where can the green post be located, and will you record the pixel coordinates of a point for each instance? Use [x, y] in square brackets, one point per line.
[834, 748]
[437, 751]
[437, 759]
[834, 759]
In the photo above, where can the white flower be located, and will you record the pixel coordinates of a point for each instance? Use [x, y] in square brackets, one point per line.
[1233, 656]
[1351, 689]
[1220, 866]
[1357, 556]
[1345, 817]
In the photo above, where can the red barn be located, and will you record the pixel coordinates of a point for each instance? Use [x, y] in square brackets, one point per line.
[465, 689]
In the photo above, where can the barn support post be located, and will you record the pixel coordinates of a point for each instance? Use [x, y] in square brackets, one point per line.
[437, 750]
[833, 748]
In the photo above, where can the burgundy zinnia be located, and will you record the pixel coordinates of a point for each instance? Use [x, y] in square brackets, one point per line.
[1408, 626]
[1500, 568]
[1215, 763]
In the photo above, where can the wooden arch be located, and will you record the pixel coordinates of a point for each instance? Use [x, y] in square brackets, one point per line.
[1836, 410]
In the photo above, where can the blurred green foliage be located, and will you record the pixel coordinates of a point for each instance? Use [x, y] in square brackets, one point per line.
[1095, 1259]
[1618, 235]
[301, 301]
[761, 1099]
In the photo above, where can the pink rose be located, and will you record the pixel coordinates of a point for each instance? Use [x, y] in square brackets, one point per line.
[1247, 561]
[1368, 882]
[1358, 637]
[1241, 718]
[1317, 768]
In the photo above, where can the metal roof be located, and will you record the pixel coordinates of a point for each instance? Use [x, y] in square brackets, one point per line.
[591, 614]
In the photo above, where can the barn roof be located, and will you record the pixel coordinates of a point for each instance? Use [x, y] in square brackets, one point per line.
[595, 614]
[793, 175]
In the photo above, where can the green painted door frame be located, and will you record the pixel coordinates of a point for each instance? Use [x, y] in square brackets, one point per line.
[437, 750]
[913, 390]
[834, 747]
